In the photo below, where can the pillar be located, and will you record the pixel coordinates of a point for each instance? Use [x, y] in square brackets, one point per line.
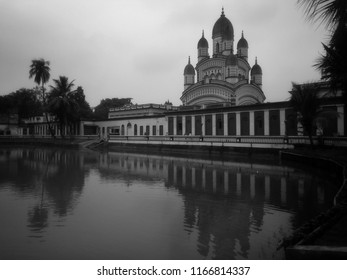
[266, 123]
[282, 122]
[175, 125]
[251, 123]
[340, 120]
[225, 123]
[214, 125]
[238, 124]
[193, 125]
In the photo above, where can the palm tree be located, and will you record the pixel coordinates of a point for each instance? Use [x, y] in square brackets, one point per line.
[333, 64]
[305, 101]
[62, 104]
[39, 69]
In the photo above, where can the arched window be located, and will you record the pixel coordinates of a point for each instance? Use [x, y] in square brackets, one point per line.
[122, 129]
[135, 129]
[217, 48]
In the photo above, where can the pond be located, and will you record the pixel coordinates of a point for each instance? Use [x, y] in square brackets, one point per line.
[78, 204]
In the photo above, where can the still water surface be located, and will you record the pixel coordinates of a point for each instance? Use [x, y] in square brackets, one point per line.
[69, 204]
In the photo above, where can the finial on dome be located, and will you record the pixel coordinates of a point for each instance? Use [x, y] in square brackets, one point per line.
[222, 11]
[256, 60]
[203, 33]
[188, 59]
[242, 34]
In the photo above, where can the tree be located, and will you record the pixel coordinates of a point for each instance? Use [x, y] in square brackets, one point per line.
[7, 108]
[84, 110]
[332, 64]
[305, 101]
[26, 103]
[61, 103]
[39, 70]
[101, 111]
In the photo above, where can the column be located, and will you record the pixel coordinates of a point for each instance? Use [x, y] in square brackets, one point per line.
[193, 125]
[251, 123]
[214, 125]
[175, 125]
[340, 120]
[266, 123]
[202, 125]
[225, 123]
[183, 125]
[238, 124]
[282, 122]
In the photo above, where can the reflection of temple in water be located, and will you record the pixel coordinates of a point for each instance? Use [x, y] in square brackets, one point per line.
[226, 202]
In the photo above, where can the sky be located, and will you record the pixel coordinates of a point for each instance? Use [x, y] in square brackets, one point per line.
[139, 48]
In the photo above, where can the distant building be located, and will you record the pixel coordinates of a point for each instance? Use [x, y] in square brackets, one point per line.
[225, 76]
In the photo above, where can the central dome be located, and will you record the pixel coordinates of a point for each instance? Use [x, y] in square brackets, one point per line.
[223, 28]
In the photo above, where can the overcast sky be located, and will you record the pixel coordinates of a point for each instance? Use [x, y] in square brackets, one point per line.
[139, 48]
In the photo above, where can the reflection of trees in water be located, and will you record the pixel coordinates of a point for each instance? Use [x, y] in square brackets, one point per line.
[64, 186]
[38, 218]
[55, 176]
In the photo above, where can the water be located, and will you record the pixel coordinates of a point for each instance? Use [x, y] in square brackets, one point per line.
[69, 204]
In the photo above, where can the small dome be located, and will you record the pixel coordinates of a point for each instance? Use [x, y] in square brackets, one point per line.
[256, 69]
[189, 69]
[202, 42]
[231, 60]
[242, 42]
[223, 28]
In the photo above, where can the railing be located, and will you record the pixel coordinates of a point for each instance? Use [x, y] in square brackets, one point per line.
[289, 140]
[67, 137]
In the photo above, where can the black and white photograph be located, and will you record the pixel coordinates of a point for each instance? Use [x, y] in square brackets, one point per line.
[159, 130]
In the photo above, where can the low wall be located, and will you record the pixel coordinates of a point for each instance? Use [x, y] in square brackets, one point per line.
[300, 245]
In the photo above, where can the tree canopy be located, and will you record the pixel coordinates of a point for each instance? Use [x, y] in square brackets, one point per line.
[101, 111]
[333, 63]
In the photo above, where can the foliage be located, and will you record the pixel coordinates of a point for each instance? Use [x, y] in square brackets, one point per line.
[305, 101]
[332, 64]
[83, 111]
[26, 103]
[23, 102]
[101, 111]
[61, 104]
[39, 70]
